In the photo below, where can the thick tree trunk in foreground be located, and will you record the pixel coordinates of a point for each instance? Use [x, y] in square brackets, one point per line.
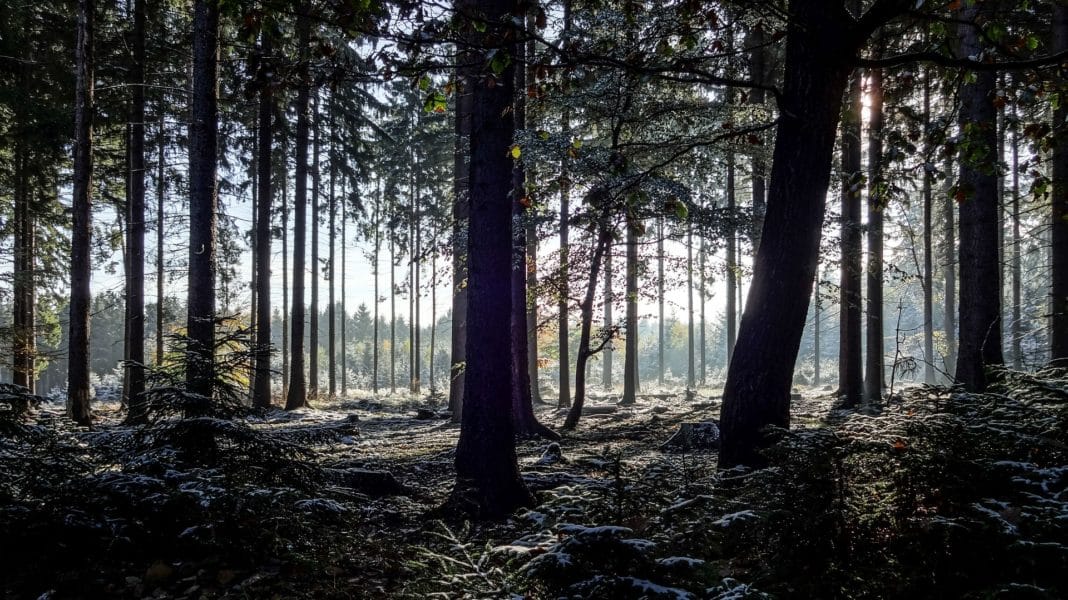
[757, 391]
[980, 294]
[487, 475]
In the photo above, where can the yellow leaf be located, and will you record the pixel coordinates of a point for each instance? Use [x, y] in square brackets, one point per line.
[516, 152]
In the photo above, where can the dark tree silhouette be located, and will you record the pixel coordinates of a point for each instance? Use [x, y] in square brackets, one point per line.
[203, 192]
[977, 190]
[80, 262]
[487, 475]
[261, 386]
[298, 392]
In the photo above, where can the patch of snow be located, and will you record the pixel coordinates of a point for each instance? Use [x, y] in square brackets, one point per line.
[676, 562]
[729, 519]
[324, 505]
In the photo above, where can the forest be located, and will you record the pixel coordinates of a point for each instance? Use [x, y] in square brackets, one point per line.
[671, 299]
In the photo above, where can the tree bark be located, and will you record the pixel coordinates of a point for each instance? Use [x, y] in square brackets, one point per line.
[81, 211]
[203, 199]
[460, 211]
[691, 381]
[980, 297]
[850, 353]
[874, 367]
[950, 270]
[161, 186]
[660, 301]
[928, 251]
[313, 309]
[1058, 334]
[732, 261]
[1017, 274]
[261, 385]
[606, 360]
[584, 352]
[487, 474]
[298, 391]
[757, 392]
[135, 286]
[758, 72]
[630, 357]
[332, 305]
[23, 281]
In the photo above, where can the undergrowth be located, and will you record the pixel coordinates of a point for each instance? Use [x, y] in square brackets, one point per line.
[194, 501]
[939, 495]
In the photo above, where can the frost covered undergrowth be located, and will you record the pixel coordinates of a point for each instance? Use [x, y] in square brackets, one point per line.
[936, 495]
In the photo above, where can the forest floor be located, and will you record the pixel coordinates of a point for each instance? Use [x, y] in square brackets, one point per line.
[348, 507]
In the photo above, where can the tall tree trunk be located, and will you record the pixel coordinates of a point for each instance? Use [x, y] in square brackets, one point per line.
[344, 303]
[950, 269]
[332, 306]
[298, 391]
[732, 260]
[433, 321]
[701, 310]
[816, 336]
[417, 267]
[874, 370]
[203, 199]
[392, 300]
[691, 380]
[928, 251]
[1017, 325]
[487, 475]
[980, 298]
[523, 326]
[460, 211]
[81, 211]
[161, 187]
[563, 303]
[135, 286]
[23, 303]
[757, 392]
[601, 245]
[1058, 334]
[377, 257]
[532, 310]
[850, 371]
[261, 385]
[660, 342]
[413, 290]
[606, 361]
[313, 310]
[758, 72]
[630, 356]
[284, 180]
